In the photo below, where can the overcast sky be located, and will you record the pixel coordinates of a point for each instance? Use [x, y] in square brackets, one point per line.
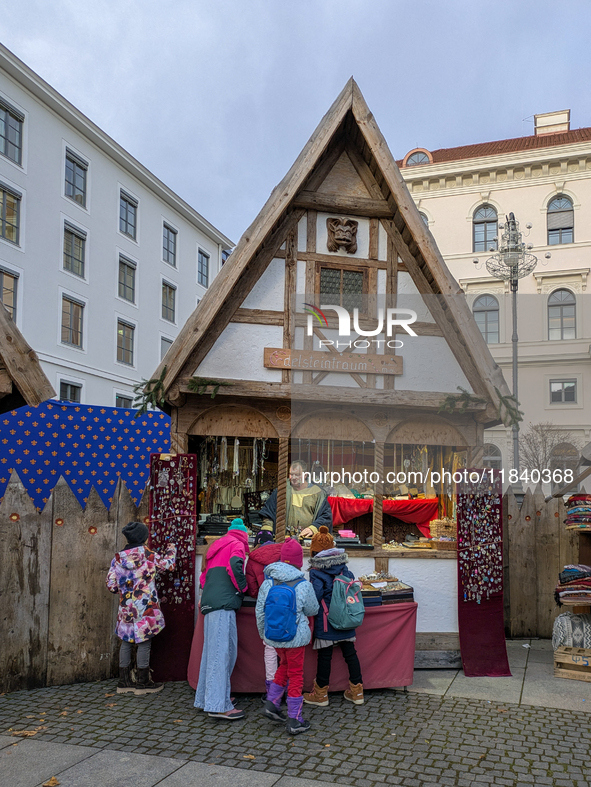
[218, 97]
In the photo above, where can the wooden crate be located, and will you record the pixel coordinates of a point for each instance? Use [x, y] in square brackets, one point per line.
[573, 663]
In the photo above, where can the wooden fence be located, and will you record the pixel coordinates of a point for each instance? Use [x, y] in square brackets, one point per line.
[57, 618]
[537, 546]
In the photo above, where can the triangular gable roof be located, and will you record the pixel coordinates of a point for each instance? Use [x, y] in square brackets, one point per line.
[20, 365]
[349, 125]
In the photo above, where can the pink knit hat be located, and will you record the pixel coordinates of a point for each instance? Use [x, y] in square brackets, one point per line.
[292, 553]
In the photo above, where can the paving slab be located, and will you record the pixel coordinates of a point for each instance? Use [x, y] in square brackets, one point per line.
[517, 654]
[497, 689]
[197, 774]
[541, 644]
[542, 689]
[33, 762]
[5, 740]
[432, 681]
[116, 768]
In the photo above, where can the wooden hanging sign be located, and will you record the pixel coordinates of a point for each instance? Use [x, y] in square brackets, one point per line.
[346, 363]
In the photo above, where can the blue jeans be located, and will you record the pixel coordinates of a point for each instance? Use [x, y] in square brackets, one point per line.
[220, 647]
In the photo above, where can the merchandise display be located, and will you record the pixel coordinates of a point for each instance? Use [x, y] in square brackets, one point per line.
[574, 585]
[578, 512]
[480, 541]
[173, 507]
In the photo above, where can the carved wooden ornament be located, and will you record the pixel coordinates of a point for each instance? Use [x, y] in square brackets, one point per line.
[342, 233]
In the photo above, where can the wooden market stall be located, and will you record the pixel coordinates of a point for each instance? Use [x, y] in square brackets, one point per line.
[22, 380]
[340, 229]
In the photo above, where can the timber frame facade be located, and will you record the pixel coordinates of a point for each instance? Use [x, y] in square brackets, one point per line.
[346, 169]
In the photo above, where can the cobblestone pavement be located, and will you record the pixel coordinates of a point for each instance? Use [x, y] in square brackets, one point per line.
[394, 739]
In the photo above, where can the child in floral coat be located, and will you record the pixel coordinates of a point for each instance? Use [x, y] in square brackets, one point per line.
[132, 574]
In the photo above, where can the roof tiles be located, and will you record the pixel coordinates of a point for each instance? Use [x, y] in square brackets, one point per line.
[508, 146]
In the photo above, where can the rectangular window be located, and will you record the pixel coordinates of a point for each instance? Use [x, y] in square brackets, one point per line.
[169, 245]
[76, 169]
[342, 286]
[563, 391]
[168, 301]
[11, 132]
[125, 334]
[8, 292]
[123, 401]
[203, 268]
[126, 280]
[72, 314]
[70, 392]
[74, 249]
[9, 214]
[164, 345]
[128, 215]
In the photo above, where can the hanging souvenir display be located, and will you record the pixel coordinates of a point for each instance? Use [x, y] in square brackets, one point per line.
[172, 518]
[480, 538]
[173, 502]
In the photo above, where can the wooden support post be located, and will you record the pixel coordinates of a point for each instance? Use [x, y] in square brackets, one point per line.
[291, 261]
[378, 501]
[310, 276]
[179, 441]
[391, 293]
[282, 471]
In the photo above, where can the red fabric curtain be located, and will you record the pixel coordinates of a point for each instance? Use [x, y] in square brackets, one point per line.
[416, 512]
[385, 644]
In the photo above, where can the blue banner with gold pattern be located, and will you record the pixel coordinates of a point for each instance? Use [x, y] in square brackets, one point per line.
[89, 445]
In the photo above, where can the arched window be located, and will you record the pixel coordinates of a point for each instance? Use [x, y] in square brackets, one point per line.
[561, 220]
[425, 219]
[486, 314]
[563, 457]
[417, 158]
[562, 315]
[492, 457]
[485, 228]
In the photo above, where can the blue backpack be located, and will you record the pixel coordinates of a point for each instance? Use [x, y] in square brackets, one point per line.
[281, 611]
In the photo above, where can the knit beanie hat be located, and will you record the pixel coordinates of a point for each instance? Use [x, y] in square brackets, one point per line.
[321, 540]
[136, 533]
[238, 524]
[267, 527]
[292, 553]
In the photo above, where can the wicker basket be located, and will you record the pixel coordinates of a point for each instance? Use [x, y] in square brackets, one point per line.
[443, 527]
[450, 546]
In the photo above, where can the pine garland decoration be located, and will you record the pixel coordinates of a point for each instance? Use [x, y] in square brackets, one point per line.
[149, 393]
[464, 399]
[513, 415]
[199, 385]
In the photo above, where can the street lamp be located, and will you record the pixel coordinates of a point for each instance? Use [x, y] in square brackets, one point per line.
[511, 263]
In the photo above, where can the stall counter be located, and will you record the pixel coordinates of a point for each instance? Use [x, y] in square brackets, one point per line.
[385, 644]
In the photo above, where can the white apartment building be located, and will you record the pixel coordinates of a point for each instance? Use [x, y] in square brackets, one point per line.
[100, 262]
[464, 193]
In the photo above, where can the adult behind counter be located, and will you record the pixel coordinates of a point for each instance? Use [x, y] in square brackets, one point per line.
[307, 505]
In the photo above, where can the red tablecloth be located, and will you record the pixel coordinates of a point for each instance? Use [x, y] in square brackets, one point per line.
[416, 512]
[385, 644]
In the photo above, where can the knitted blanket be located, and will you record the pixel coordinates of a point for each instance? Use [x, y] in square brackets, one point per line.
[572, 631]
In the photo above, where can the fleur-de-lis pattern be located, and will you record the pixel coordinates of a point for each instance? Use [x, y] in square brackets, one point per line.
[88, 445]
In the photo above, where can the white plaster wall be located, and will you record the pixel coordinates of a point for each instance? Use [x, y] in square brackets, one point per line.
[269, 291]
[238, 353]
[302, 232]
[429, 365]
[410, 298]
[301, 278]
[362, 236]
[361, 565]
[381, 283]
[435, 586]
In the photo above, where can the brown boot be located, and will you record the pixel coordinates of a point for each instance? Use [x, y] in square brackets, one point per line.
[145, 684]
[318, 697]
[354, 693]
